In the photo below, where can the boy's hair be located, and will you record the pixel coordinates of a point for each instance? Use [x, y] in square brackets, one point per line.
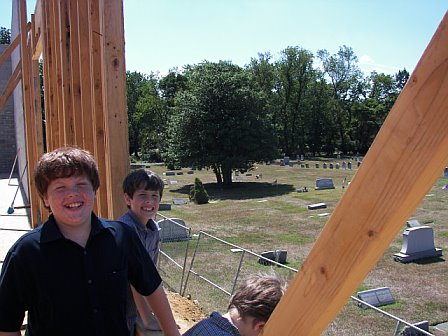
[65, 162]
[258, 296]
[142, 179]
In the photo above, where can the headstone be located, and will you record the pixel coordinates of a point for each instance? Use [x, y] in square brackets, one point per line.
[337, 165]
[339, 156]
[344, 165]
[179, 201]
[376, 297]
[286, 160]
[173, 229]
[324, 165]
[324, 183]
[412, 223]
[307, 165]
[408, 331]
[180, 173]
[282, 162]
[317, 165]
[302, 165]
[359, 163]
[317, 206]
[277, 255]
[164, 206]
[331, 166]
[418, 243]
[190, 172]
[170, 173]
[302, 158]
[349, 165]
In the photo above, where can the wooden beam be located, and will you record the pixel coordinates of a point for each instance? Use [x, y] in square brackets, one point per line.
[406, 158]
[114, 86]
[11, 85]
[9, 49]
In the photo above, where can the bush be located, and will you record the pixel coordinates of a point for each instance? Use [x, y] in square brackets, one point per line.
[198, 194]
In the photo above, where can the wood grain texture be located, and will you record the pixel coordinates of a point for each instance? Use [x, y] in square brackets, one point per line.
[406, 158]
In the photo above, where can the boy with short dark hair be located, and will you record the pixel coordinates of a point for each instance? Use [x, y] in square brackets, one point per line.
[71, 274]
[143, 190]
[248, 311]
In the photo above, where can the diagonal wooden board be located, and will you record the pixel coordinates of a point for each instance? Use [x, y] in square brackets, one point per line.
[403, 163]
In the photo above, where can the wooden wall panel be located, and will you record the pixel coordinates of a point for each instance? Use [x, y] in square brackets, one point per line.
[81, 43]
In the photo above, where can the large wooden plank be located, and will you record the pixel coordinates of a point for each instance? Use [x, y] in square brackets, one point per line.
[98, 107]
[406, 158]
[11, 85]
[114, 85]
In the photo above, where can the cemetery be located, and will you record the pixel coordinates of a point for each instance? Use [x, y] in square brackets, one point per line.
[267, 219]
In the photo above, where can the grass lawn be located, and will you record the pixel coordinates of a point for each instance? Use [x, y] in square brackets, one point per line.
[258, 215]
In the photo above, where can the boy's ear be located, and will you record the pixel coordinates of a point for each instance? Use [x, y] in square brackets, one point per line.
[127, 199]
[258, 327]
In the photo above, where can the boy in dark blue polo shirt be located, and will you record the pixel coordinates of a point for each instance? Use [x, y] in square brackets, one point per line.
[72, 273]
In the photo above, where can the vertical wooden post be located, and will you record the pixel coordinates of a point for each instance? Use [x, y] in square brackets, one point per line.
[114, 86]
[406, 158]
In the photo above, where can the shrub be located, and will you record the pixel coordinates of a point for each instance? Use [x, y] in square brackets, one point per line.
[198, 194]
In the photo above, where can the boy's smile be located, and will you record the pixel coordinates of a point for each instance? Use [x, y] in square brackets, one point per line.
[71, 200]
[144, 204]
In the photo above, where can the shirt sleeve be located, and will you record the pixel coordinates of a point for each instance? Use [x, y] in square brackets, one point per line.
[12, 307]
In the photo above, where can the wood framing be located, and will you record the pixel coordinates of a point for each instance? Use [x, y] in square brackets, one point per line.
[82, 53]
[406, 158]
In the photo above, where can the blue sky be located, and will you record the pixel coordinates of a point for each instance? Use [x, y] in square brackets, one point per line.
[386, 35]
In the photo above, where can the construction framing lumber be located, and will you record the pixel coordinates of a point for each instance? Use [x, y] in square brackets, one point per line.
[81, 46]
[406, 158]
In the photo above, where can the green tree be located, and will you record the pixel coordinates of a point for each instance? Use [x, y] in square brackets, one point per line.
[198, 194]
[294, 75]
[220, 121]
[5, 35]
[345, 76]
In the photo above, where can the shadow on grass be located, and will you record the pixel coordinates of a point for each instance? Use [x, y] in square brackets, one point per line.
[426, 261]
[241, 190]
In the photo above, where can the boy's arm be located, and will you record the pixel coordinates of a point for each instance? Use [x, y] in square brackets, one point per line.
[161, 307]
[142, 305]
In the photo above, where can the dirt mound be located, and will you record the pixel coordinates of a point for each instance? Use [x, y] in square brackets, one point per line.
[185, 311]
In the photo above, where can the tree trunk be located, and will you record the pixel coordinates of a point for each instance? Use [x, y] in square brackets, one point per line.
[217, 172]
[227, 175]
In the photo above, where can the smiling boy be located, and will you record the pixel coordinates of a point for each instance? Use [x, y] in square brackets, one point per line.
[143, 191]
[72, 273]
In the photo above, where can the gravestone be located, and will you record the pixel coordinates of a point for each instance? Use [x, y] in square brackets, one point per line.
[376, 297]
[282, 162]
[408, 331]
[180, 173]
[302, 158]
[180, 201]
[173, 229]
[344, 165]
[418, 243]
[412, 223]
[317, 206]
[307, 165]
[331, 166]
[286, 160]
[349, 165]
[337, 165]
[317, 165]
[170, 173]
[324, 165]
[359, 163]
[164, 206]
[277, 255]
[324, 183]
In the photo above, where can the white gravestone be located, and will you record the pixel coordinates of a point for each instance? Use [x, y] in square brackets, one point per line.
[173, 229]
[324, 183]
[418, 243]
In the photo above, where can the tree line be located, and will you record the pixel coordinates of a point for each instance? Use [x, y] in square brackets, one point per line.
[226, 117]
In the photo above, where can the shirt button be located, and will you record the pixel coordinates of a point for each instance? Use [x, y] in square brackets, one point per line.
[89, 282]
